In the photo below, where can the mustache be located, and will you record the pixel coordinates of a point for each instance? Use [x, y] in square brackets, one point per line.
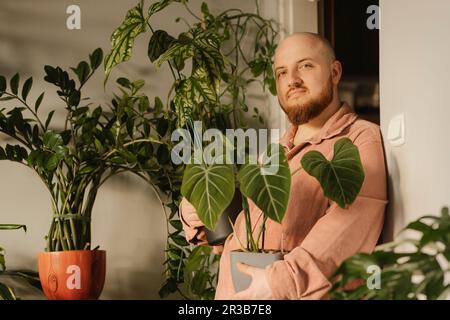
[296, 88]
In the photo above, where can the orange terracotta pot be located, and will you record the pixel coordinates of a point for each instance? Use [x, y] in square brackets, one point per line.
[72, 275]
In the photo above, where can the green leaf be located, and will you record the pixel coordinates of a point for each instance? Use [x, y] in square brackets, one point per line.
[210, 189]
[52, 140]
[257, 67]
[26, 88]
[342, 177]
[138, 84]
[14, 83]
[51, 163]
[205, 9]
[180, 240]
[13, 227]
[204, 47]
[6, 293]
[2, 261]
[82, 71]
[39, 101]
[191, 92]
[86, 170]
[7, 98]
[124, 82]
[96, 58]
[419, 226]
[176, 224]
[163, 154]
[159, 5]
[178, 50]
[199, 282]
[2, 85]
[268, 183]
[158, 44]
[31, 277]
[123, 38]
[195, 259]
[49, 118]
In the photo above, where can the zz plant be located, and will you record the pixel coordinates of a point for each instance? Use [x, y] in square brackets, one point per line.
[73, 160]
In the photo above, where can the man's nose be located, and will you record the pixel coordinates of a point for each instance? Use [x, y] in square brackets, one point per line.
[295, 80]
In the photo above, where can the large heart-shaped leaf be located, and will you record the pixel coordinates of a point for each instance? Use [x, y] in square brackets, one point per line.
[122, 39]
[268, 183]
[210, 189]
[342, 177]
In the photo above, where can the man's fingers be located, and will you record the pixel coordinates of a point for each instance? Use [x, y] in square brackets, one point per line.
[201, 235]
[245, 268]
[195, 223]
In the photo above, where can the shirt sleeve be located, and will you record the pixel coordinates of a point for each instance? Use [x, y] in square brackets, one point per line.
[338, 234]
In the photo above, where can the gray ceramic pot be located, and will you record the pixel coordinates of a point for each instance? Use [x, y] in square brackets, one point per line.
[224, 228]
[242, 281]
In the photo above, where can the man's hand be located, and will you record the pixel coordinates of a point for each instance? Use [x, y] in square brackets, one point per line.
[190, 215]
[259, 288]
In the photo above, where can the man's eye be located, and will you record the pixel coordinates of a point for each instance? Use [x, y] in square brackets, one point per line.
[306, 66]
[282, 73]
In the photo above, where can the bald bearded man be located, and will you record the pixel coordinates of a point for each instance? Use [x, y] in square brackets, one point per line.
[317, 234]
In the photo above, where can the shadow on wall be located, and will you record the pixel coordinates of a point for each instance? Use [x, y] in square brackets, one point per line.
[394, 209]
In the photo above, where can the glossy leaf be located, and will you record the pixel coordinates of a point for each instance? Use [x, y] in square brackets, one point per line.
[82, 71]
[26, 88]
[39, 101]
[268, 183]
[96, 58]
[14, 83]
[122, 40]
[158, 44]
[2, 85]
[341, 178]
[210, 189]
[6, 293]
[159, 5]
[192, 92]
[13, 227]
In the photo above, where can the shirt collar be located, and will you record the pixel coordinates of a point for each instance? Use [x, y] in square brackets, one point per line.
[340, 120]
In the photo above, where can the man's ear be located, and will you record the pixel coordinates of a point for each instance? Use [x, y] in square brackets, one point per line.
[336, 72]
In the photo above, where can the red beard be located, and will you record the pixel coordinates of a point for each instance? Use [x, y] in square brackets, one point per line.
[303, 113]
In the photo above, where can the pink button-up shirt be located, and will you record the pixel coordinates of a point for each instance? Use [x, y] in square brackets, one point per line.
[317, 234]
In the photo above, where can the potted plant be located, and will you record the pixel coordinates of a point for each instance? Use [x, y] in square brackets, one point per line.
[209, 188]
[410, 268]
[6, 292]
[227, 52]
[73, 162]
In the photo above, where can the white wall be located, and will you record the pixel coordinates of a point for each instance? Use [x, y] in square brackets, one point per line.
[415, 78]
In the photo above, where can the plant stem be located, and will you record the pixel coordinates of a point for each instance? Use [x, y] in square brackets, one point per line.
[262, 232]
[189, 10]
[251, 245]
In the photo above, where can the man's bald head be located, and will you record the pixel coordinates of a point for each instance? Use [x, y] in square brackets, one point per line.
[312, 40]
[307, 75]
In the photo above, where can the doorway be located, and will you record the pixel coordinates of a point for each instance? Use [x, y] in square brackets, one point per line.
[356, 42]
